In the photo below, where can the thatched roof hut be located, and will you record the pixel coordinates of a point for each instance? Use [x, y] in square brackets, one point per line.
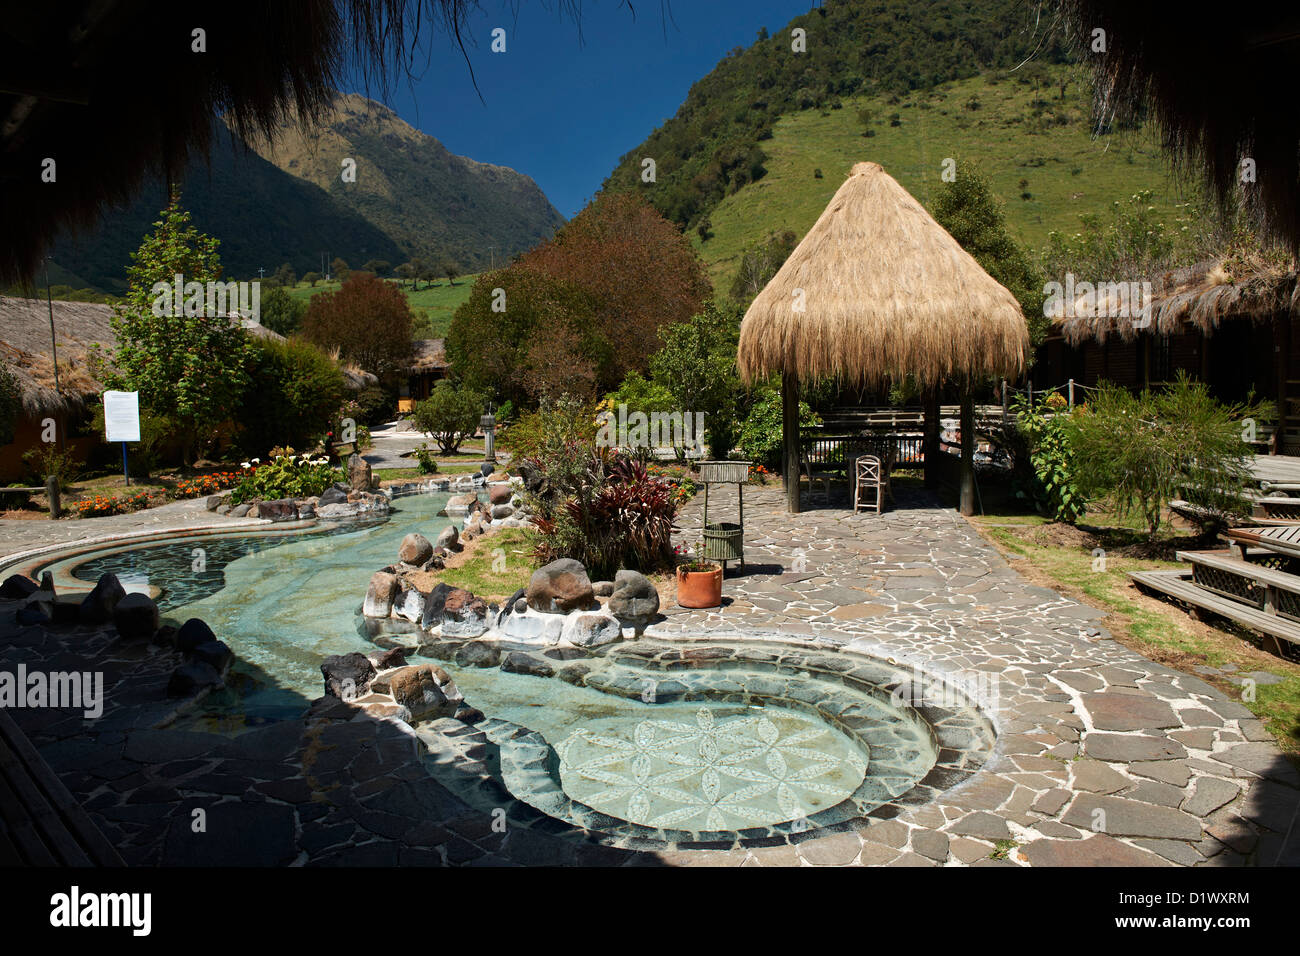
[1221, 91]
[25, 348]
[117, 94]
[877, 290]
[428, 355]
[1198, 297]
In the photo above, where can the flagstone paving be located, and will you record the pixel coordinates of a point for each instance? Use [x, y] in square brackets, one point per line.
[1102, 758]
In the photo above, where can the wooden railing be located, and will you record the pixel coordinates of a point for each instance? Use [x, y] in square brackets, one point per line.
[831, 453]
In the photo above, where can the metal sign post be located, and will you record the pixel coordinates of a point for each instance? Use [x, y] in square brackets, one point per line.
[122, 422]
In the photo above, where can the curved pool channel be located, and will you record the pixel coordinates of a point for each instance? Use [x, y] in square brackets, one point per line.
[644, 742]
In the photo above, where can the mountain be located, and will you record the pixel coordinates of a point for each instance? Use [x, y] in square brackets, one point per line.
[286, 202]
[762, 142]
[431, 202]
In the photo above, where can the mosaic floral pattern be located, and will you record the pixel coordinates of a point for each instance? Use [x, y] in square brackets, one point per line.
[718, 773]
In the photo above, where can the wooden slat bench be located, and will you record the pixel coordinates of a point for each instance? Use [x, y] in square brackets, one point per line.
[1178, 585]
[41, 824]
[1269, 590]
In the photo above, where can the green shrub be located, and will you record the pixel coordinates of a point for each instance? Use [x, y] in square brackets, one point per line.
[551, 429]
[285, 476]
[375, 406]
[427, 461]
[293, 389]
[760, 435]
[1143, 450]
[1044, 461]
[280, 312]
[450, 415]
[49, 460]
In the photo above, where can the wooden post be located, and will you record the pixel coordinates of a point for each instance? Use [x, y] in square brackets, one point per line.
[790, 439]
[1004, 403]
[967, 498]
[52, 495]
[930, 443]
[1071, 392]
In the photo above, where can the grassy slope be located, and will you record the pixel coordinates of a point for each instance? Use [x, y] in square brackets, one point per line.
[1069, 171]
[439, 301]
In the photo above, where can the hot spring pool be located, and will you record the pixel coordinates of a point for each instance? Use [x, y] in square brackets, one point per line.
[650, 740]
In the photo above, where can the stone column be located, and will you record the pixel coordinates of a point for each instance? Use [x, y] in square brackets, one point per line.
[489, 425]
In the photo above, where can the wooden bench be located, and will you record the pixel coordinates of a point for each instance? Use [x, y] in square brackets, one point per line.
[1178, 585]
[41, 823]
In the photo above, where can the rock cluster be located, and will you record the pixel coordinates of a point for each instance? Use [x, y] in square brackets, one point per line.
[340, 500]
[383, 686]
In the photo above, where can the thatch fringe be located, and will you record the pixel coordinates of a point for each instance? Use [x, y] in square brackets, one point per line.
[136, 102]
[885, 291]
[1220, 91]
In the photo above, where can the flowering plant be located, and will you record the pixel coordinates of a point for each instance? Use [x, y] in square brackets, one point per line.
[207, 484]
[284, 476]
[97, 505]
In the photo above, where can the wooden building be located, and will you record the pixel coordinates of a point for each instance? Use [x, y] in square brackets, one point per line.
[1237, 333]
[428, 367]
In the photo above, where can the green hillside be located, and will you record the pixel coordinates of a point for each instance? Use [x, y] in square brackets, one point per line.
[1017, 127]
[718, 141]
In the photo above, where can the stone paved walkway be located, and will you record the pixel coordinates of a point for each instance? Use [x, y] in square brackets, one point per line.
[1102, 757]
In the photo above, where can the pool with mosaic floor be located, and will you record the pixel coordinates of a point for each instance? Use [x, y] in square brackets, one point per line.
[641, 744]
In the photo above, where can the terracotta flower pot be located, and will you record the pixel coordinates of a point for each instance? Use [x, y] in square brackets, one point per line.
[699, 588]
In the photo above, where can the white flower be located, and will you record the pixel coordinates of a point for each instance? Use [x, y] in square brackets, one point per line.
[257, 461]
[245, 464]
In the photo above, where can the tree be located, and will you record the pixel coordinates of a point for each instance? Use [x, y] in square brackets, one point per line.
[428, 272]
[969, 210]
[311, 278]
[367, 320]
[450, 415]
[418, 271]
[759, 262]
[285, 276]
[281, 312]
[405, 272]
[340, 269]
[188, 362]
[638, 269]
[451, 270]
[293, 389]
[380, 267]
[697, 364]
[493, 344]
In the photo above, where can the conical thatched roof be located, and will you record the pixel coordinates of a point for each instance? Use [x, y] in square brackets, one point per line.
[885, 291]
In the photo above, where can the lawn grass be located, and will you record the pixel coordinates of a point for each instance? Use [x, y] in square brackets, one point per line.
[1061, 557]
[1069, 171]
[494, 566]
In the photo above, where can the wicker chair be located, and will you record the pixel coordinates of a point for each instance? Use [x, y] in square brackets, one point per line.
[868, 476]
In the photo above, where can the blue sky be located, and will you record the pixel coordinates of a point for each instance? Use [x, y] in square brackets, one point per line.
[563, 111]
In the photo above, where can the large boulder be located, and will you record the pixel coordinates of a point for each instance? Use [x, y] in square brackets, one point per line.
[500, 494]
[97, 606]
[192, 633]
[136, 617]
[216, 654]
[500, 512]
[533, 627]
[281, 509]
[591, 629]
[449, 539]
[380, 594]
[388, 658]
[426, 690]
[359, 476]
[560, 587]
[18, 586]
[459, 613]
[635, 602]
[192, 677]
[409, 603]
[347, 676]
[415, 549]
[335, 494]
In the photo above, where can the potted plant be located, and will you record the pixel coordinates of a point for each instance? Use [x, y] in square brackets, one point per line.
[699, 581]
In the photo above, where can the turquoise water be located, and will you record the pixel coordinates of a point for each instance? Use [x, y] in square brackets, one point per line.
[283, 602]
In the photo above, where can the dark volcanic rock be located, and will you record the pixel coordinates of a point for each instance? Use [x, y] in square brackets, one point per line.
[193, 632]
[136, 617]
[560, 587]
[97, 606]
[347, 676]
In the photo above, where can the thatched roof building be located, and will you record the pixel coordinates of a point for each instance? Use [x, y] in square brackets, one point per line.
[1199, 298]
[1221, 91]
[25, 347]
[428, 355]
[117, 94]
[877, 290]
